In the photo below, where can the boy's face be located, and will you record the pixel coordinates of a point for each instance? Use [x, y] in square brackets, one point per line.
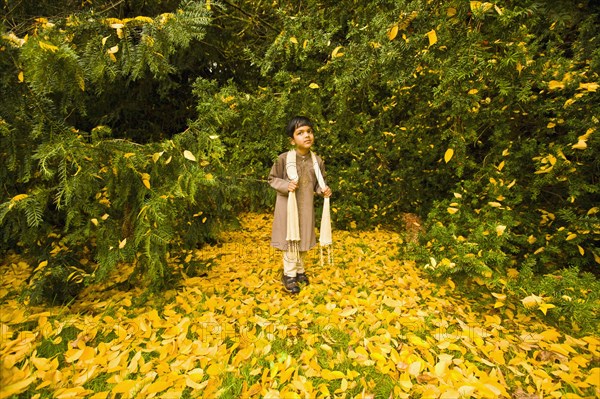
[303, 138]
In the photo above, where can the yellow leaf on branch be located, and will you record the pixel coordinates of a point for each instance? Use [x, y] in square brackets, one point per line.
[146, 180]
[48, 46]
[448, 155]
[432, 36]
[189, 156]
[392, 32]
[336, 52]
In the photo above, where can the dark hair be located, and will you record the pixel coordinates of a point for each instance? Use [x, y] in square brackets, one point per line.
[297, 122]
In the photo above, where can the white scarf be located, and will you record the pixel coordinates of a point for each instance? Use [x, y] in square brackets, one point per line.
[293, 225]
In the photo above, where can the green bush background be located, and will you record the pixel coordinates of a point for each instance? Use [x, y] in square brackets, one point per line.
[133, 133]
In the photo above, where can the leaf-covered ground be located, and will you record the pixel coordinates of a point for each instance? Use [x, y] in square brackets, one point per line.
[370, 326]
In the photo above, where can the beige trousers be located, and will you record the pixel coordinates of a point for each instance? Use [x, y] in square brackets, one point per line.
[293, 264]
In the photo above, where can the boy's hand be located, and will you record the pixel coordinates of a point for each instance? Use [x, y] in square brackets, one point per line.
[327, 192]
[292, 186]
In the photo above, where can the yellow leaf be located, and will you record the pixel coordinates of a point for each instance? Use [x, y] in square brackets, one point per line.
[293, 40]
[286, 374]
[494, 204]
[501, 297]
[588, 86]
[568, 103]
[326, 348]
[417, 341]
[122, 243]
[501, 166]
[41, 266]
[332, 375]
[594, 377]
[531, 301]
[208, 176]
[393, 32]
[142, 18]
[129, 154]
[581, 250]
[448, 155]
[414, 368]
[188, 155]
[349, 311]
[19, 197]
[344, 385]
[555, 84]
[550, 125]
[9, 390]
[21, 77]
[157, 155]
[47, 46]
[336, 52]
[124, 386]
[405, 382]
[159, 386]
[478, 6]
[571, 236]
[545, 306]
[450, 12]
[452, 210]
[593, 211]
[113, 50]
[587, 134]
[214, 369]
[580, 145]
[432, 36]
[146, 180]
[500, 229]
[76, 392]
[313, 86]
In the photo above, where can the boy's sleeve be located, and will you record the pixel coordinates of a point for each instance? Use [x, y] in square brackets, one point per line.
[277, 177]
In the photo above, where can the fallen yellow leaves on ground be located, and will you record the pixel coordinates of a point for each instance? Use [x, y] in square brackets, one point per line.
[369, 327]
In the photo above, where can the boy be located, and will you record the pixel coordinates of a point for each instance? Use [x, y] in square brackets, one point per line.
[304, 186]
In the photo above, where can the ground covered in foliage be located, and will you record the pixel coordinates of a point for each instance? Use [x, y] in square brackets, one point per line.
[370, 326]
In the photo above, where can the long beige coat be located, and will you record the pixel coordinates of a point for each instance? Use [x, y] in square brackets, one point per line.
[307, 187]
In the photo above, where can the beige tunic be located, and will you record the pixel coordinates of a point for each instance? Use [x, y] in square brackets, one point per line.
[307, 186]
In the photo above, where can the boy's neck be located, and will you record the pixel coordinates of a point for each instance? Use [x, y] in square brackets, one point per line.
[302, 152]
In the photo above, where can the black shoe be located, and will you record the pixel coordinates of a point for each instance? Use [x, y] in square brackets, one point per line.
[302, 278]
[289, 283]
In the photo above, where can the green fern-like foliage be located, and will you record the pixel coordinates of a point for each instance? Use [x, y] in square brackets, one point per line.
[67, 180]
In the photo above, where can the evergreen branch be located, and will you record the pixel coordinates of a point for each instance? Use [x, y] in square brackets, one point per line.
[268, 25]
[110, 7]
